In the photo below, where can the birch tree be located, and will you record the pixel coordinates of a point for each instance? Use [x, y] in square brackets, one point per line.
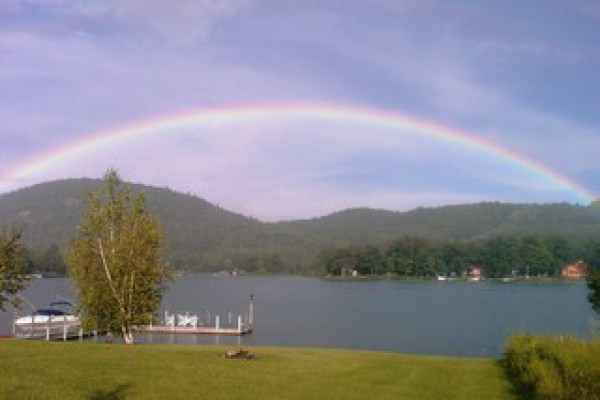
[114, 260]
[12, 268]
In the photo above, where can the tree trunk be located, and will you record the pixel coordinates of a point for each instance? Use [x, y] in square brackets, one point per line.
[127, 335]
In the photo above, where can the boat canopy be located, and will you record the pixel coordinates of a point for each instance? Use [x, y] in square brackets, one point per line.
[48, 312]
[61, 303]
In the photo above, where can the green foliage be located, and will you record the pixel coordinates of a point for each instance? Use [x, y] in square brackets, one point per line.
[500, 255]
[414, 256]
[555, 368]
[48, 261]
[593, 281]
[114, 260]
[366, 260]
[409, 256]
[12, 268]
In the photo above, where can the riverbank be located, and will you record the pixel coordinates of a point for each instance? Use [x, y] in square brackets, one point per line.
[44, 370]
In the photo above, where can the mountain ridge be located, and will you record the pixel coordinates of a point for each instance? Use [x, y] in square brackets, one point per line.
[200, 235]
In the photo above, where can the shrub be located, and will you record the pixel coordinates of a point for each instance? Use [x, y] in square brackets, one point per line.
[560, 368]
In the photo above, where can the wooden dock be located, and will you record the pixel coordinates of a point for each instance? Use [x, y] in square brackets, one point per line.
[199, 330]
[184, 323]
[192, 324]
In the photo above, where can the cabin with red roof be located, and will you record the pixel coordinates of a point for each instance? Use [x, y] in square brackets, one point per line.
[578, 269]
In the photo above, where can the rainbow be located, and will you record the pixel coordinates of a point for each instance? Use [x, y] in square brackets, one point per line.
[286, 112]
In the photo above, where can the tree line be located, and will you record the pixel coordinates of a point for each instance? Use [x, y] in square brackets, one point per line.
[48, 261]
[406, 256]
[420, 257]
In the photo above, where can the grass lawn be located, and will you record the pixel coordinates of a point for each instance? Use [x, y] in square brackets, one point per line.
[42, 370]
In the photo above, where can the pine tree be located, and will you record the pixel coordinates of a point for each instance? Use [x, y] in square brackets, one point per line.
[12, 268]
[593, 281]
[114, 261]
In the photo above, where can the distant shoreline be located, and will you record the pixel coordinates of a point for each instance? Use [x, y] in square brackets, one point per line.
[520, 279]
[371, 278]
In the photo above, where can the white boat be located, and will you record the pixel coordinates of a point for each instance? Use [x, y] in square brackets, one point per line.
[48, 323]
[442, 278]
[47, 316]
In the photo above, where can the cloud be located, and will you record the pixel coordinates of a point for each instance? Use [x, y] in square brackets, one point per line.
[481, 78]
[76, 66]
[179, 23]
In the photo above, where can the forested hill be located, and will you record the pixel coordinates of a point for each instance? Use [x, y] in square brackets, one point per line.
[459, 222]
[200, 235]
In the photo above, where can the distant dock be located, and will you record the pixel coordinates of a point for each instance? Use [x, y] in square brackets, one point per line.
[199, 330]
[192, 324]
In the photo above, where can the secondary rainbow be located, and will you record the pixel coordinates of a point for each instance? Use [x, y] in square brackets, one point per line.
[165, 123]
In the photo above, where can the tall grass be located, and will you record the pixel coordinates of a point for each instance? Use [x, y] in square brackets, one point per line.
[555, 368]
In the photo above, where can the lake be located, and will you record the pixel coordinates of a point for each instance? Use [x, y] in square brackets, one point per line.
[425, 317]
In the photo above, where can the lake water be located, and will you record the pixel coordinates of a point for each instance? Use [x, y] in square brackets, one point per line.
[426, 317]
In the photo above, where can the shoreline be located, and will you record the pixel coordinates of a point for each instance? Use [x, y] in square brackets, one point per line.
[372, 278]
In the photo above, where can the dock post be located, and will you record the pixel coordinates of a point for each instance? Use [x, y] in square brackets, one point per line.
[48, 327]
[80, 333]
[14, 327]
[65, 328]
[217, 323]
[251, 310]
[239, 324]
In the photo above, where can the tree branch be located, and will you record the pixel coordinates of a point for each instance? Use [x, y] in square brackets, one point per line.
[109, 277]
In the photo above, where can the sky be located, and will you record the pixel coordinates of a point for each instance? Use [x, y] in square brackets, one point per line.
[296, 109]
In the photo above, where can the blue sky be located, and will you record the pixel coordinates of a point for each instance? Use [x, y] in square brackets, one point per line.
[523, 75]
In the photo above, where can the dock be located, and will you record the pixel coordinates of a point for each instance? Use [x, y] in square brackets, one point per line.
[199, 330]
[59, 328]
[192, 324]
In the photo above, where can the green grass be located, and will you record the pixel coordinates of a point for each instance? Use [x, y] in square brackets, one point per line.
[555, 368]
[42, 370]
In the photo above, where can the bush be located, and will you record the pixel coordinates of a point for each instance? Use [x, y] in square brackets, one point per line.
[561, 368]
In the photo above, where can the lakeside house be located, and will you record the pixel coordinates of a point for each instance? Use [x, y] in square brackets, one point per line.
[578, 269]
[476, 272]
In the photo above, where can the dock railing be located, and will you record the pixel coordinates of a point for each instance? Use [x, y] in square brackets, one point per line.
[196, 324]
